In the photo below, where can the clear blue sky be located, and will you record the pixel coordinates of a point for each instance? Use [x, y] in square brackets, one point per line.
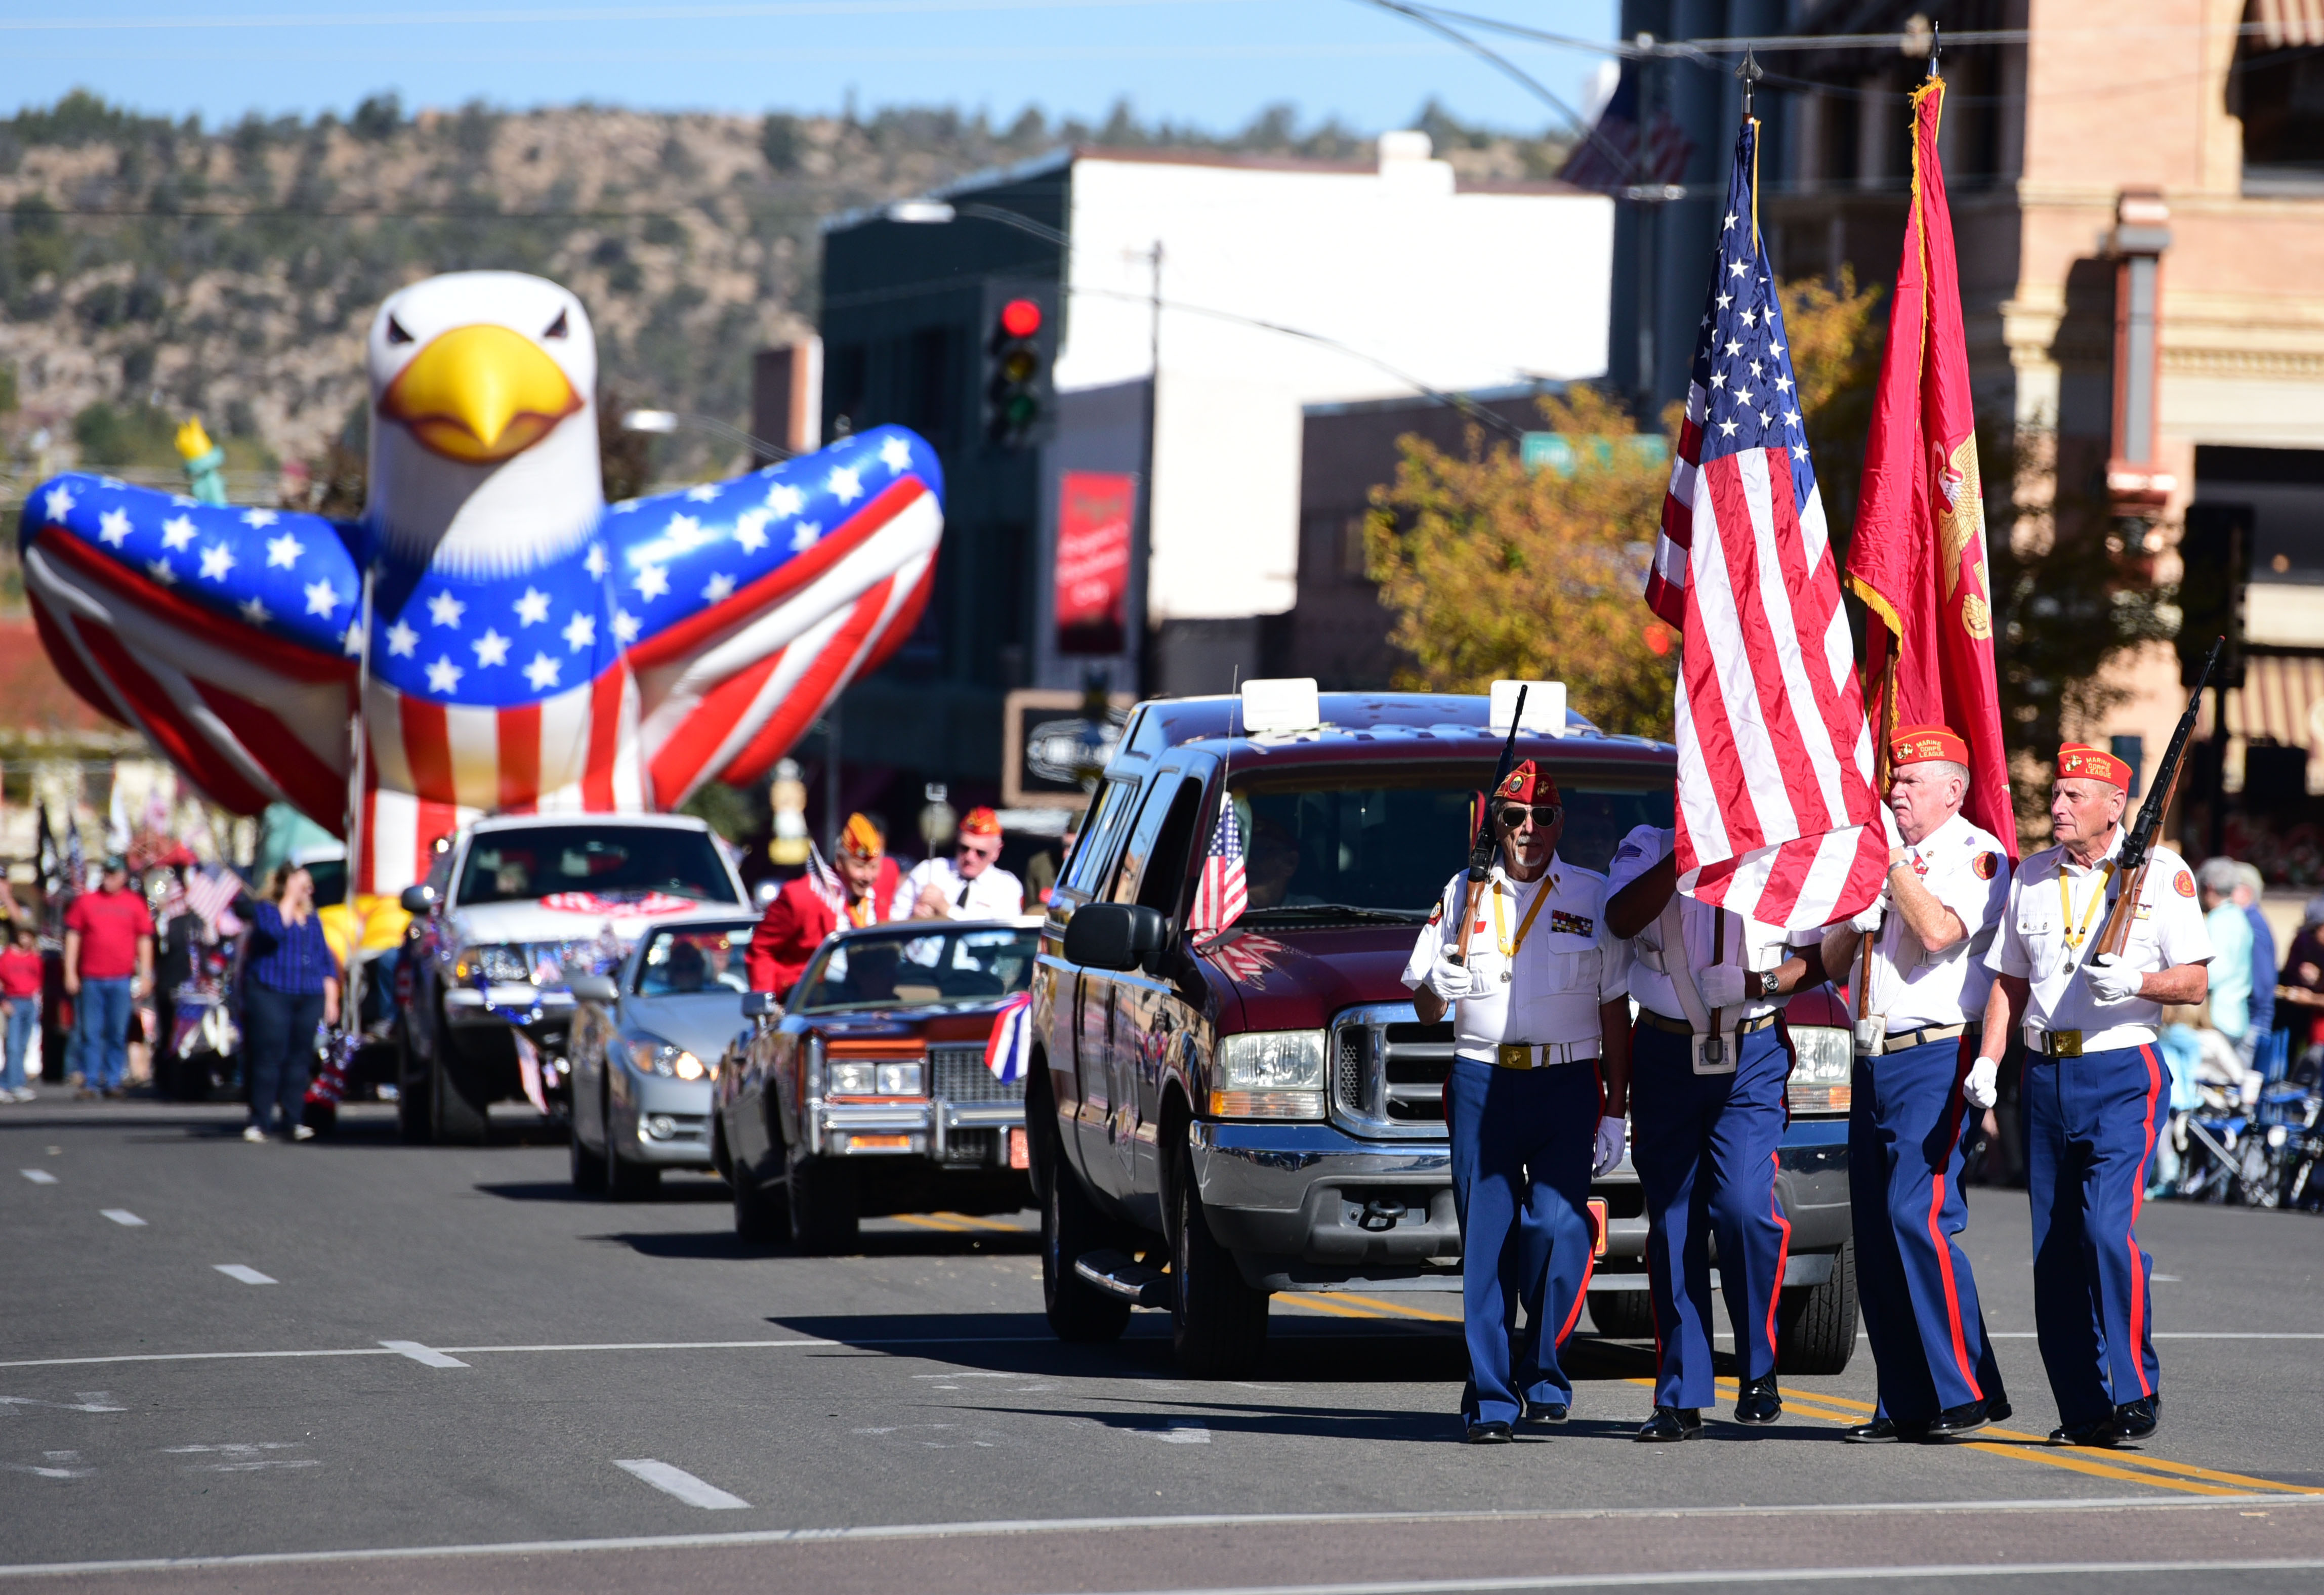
[1211, 63]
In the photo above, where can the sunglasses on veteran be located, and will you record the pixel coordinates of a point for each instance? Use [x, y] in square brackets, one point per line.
[1513, 816]
[978, 847]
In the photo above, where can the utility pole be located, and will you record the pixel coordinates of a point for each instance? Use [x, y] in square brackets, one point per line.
[1142, 543]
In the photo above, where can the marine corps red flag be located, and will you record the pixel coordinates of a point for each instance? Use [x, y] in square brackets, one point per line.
[1918, 556]
[1777, 819]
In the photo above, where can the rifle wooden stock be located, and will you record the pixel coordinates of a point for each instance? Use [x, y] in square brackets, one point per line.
[2114, 937]
[2138, 842]
[1481, 852]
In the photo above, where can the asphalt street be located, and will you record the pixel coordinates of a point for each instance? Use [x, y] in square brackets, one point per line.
[357, 1365]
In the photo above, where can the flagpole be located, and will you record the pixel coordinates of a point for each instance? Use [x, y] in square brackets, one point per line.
[1883, 759]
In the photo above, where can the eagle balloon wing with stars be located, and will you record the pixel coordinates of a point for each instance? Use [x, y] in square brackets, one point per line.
[232, 636]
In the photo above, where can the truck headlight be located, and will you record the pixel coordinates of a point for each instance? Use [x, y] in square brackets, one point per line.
[853, 1079]
[899, 1079]
[502, 965]
[1824, 1062]
[1270, 1075]
[660, 1057]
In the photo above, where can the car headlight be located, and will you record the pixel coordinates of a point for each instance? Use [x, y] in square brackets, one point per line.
[499, 965]
[1823, 1064]
[875, 1079]
[1270, 1075]
[660, 1057]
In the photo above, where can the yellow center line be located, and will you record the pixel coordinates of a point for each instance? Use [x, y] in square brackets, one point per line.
[961, 1218]
[1322, 1305]
[1398, 1308]
[2014, 1442]
[929, 1223]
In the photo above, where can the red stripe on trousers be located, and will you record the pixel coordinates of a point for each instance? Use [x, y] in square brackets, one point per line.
[813, 691]
[1782, 1260]
[519, 755]
[317, 790]
[605, 695]
[2130, 1237]
[698, 631]
[1962, 1058]
[188, 748]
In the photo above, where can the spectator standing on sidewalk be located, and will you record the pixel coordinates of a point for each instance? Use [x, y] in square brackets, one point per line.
[290, 985]
[2302, 985]
[2249, 886]
[2231, 965]
[20, 999]
[108, 962]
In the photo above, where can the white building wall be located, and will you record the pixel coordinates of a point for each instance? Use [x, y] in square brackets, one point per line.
[1448, 289]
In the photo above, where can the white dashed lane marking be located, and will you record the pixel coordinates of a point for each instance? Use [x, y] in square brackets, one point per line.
[124, 1217]
[38, 1176]
[244, 1272]
[682, 1484]
[427, 1356]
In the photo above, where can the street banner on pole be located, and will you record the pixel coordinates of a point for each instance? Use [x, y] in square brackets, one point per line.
[1918, 556]
[1776, 814]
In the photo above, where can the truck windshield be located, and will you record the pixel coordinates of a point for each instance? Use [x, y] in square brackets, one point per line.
[1315, 848]
[920, 969]
[604, 860]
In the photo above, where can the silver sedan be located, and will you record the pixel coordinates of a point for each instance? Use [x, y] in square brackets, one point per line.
[645, 1046]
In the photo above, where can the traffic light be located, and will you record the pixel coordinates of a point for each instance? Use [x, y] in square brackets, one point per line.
[1021, 341]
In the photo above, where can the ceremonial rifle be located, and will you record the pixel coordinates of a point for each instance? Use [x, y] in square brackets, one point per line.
[2131, 867]
[1481, 852]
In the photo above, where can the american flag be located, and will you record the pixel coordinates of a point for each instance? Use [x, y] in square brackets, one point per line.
[1010, 1044]
[1776, 816]
[1611, 158]
[1223, 893]
[692, 636]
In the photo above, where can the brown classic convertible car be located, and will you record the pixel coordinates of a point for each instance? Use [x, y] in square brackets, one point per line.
[868, 1091]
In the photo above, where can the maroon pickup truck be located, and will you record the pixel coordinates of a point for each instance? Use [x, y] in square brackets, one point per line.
[1265, 1113]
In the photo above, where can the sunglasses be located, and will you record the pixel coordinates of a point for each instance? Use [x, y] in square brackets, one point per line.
[1543, 815]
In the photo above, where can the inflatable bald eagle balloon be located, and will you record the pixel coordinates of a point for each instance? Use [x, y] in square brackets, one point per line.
[491, 635]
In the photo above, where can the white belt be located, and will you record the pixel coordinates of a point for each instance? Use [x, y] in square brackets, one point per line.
[1530, 1055]
[2059, 1042]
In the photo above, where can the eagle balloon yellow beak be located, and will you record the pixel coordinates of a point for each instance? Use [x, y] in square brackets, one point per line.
[481, 393]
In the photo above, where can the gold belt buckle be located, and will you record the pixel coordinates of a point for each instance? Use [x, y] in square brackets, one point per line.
[2065, 1043]
[1514, 1054]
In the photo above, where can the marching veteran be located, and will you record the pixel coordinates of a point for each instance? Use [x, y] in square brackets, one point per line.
[1536, 1099]
[971, 884]
[1711, 1065]
[2093, 1091]
[870, 889]
[1917, 1021]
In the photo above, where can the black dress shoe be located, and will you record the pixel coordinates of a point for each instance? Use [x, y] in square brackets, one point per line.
[1760, 1403]
[2135, 1420]
[1671, 1424]
[1492, 1432]
[1886, 1431]
[1997, 1409]
[2100, 1434]
[1959, 1423]
[1546, 1412]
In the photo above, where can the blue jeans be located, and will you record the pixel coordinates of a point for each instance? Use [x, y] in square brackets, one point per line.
[278, 1033]
[24, 1024]
[100, 1043]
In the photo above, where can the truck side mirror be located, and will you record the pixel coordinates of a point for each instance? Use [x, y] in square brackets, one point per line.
[593, 987]
[1112, 935]
[761, 1005]
[418, 899]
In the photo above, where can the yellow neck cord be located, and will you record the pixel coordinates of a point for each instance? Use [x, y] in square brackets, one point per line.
[2077, 933]
[1502, 925]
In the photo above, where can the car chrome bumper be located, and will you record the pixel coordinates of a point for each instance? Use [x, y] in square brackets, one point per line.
[495, 1005]
[946, 1132]
[1304, 1206]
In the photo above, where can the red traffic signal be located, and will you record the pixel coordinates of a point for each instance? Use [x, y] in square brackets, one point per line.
[1020, 318]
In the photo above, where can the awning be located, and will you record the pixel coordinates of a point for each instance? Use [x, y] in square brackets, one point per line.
[2279, 701]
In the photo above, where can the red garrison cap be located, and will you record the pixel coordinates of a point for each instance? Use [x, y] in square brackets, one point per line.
[2080, 761]
[1528, 783]
[980, 822]
[1919, 744]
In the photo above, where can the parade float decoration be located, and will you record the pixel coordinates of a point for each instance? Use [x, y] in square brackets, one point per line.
[491, 635]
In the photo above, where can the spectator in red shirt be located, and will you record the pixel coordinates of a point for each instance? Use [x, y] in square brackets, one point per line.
[802, 914]
[20, 1000]
[108, 962]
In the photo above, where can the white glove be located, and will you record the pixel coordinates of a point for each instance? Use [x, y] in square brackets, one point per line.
[2116, 982]
[1613, 1133]
[1869, 922]
[1449, 980]
[1722, 986]
[1978, 1086]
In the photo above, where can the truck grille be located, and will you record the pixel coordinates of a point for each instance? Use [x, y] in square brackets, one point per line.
[1389, 1071]
[961, 1076]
